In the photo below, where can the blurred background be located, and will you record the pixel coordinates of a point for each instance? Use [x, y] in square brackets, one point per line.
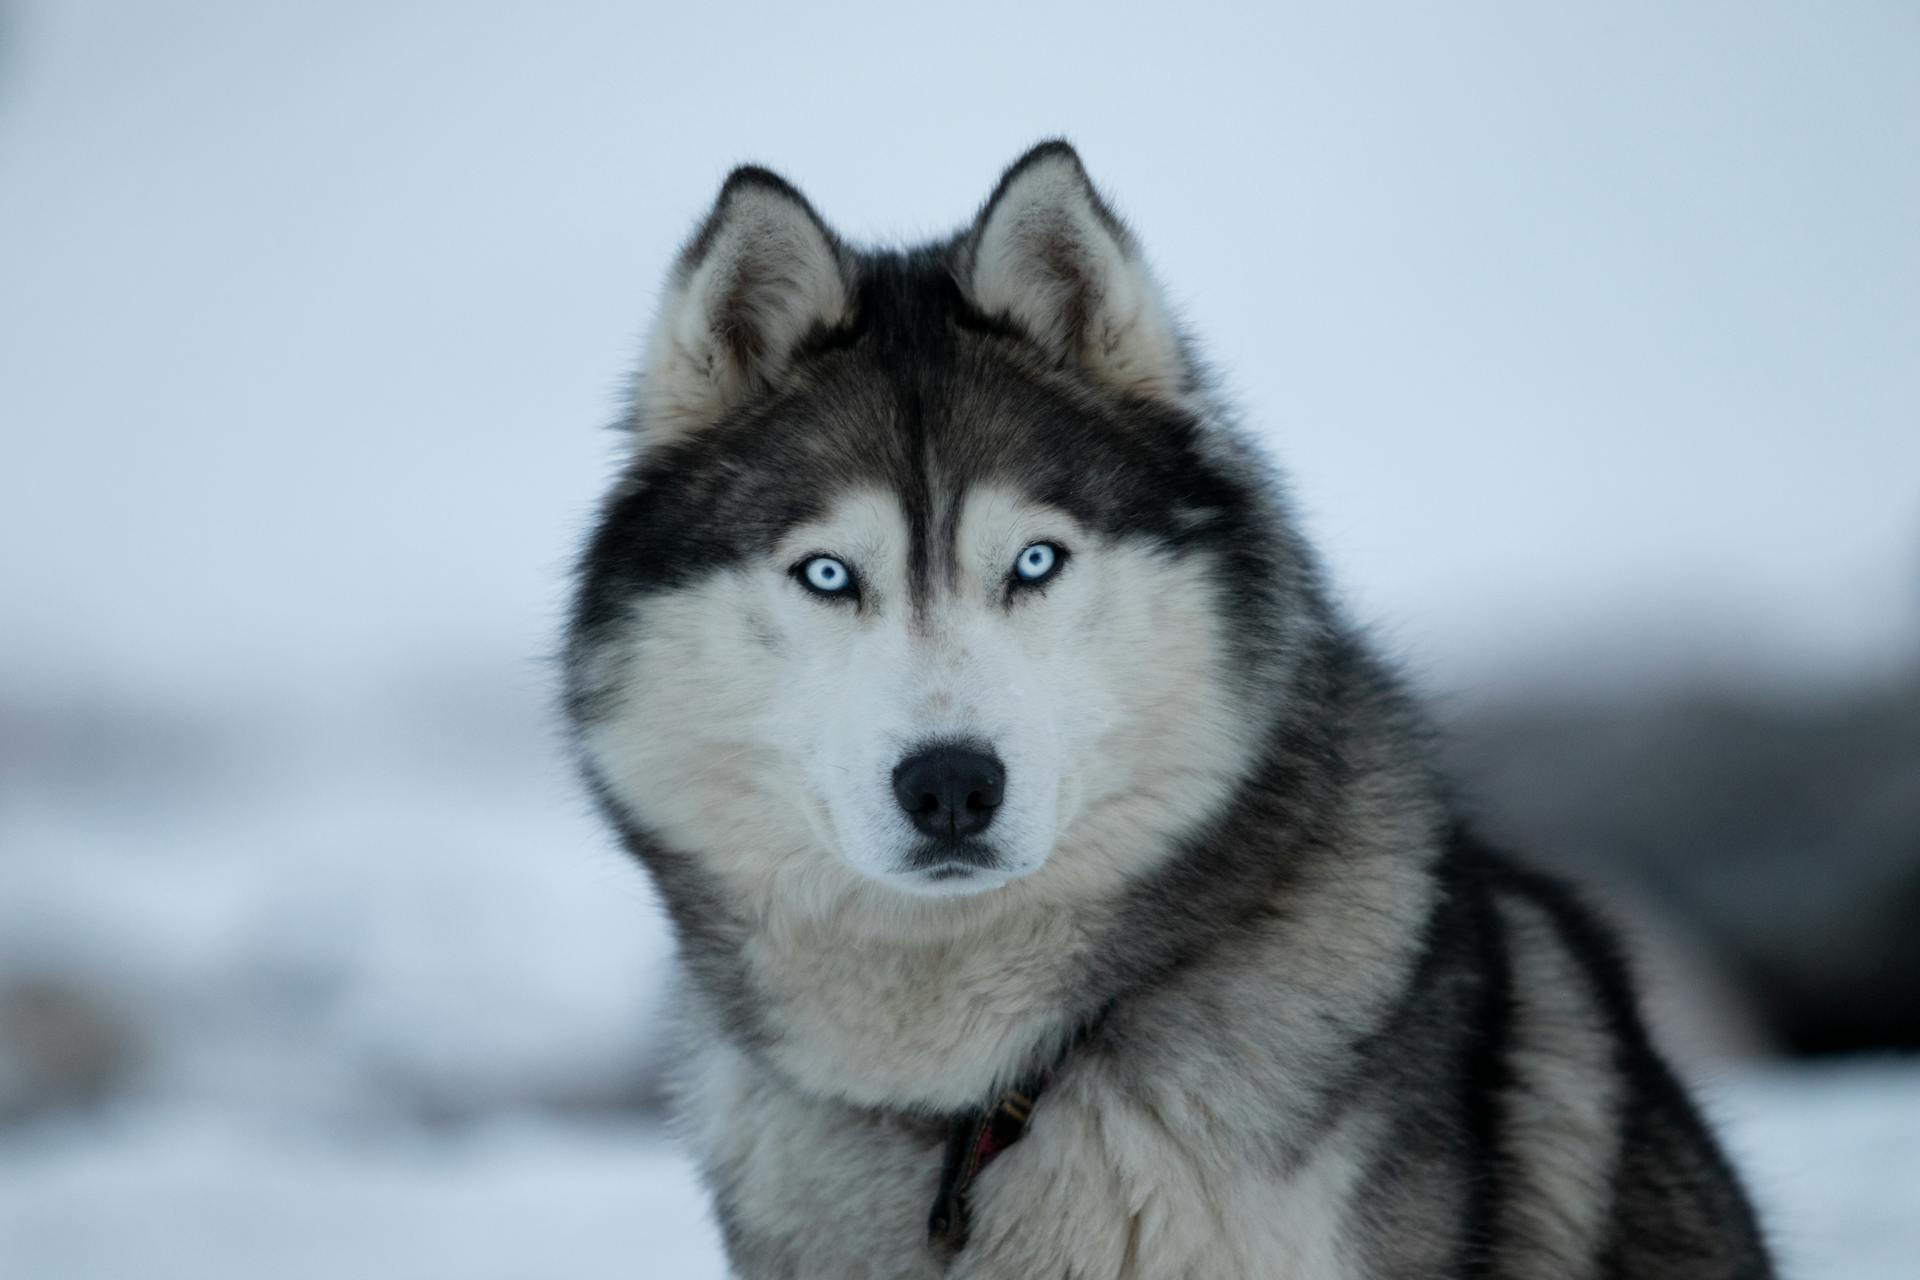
[1589, 334]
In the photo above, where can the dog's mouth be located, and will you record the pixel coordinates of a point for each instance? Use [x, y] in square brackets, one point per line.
[950, 875]
[948, 868]
[953, 860]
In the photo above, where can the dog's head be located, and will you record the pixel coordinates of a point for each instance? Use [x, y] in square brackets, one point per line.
[931, 568]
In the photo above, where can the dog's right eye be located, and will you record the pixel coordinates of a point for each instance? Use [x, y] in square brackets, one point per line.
[825, 576]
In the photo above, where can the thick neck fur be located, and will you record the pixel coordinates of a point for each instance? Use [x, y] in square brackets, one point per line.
[856, 993]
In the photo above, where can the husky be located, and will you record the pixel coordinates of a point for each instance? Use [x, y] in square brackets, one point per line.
[1062, 887]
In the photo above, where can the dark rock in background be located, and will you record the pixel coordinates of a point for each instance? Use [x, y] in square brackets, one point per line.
[1780, 832]
[62, 1044]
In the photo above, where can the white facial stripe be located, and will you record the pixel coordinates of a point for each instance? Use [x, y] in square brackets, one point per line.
[682, 746]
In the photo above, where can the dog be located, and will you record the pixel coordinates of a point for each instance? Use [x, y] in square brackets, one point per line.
[1062, 886]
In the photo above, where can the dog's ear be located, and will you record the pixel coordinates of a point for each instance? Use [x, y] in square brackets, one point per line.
[762, 275]
[1048, 254]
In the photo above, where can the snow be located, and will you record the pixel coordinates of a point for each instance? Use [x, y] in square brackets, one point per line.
[1833, 1154]
[344, 917]
[172, 1196]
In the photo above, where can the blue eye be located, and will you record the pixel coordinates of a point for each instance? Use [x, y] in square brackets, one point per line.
[1038, 562]
[823, 575]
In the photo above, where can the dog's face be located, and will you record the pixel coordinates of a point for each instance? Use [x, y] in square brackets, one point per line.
[938, 709]
[923, 571]
[935, 717]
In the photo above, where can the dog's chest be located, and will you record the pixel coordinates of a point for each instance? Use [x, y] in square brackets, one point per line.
[810, 1188]
[934, 1025]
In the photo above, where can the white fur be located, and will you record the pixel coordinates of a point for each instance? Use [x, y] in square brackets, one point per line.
[1565, 1100]
[1101, 1188]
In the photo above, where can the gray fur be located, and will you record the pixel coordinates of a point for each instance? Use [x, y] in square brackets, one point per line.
[1305, 1025]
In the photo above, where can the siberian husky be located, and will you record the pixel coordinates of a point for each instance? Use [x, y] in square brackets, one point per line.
[1062, 887]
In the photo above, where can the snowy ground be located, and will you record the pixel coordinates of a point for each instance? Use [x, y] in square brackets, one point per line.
[1833, 1154]
[164, 1197]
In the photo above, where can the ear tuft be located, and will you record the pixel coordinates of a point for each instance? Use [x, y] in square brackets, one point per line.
[761, 276]
[1047, 253]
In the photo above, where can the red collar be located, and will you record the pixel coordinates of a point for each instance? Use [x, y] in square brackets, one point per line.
[974, 1141]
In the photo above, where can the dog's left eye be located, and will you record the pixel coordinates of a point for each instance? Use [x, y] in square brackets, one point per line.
[1037, 562]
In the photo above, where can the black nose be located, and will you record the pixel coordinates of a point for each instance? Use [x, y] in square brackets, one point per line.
[949, 791]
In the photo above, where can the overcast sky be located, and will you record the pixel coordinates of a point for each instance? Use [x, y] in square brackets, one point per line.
[1583, 329]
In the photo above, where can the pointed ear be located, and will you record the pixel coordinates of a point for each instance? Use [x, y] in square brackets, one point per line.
[1047, 253]
[762, 276]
